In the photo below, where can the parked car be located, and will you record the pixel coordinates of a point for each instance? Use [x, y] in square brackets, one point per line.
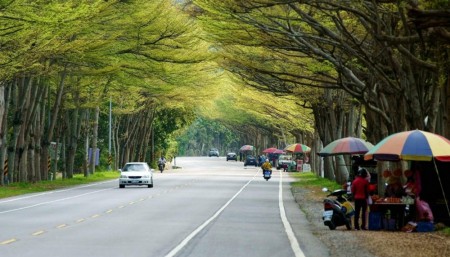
[231, 156]
[250, 160]
[136, 173]
[213, 152]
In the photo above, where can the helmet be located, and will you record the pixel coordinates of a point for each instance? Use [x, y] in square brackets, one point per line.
[267, 160]
[362, 172]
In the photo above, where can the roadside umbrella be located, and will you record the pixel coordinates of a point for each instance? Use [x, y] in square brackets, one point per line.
[297, 148]
[270, 150]
[279, 151]
[346, 145]
[413, 145]
[246, 148]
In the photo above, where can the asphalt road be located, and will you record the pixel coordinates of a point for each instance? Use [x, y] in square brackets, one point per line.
[209, 207]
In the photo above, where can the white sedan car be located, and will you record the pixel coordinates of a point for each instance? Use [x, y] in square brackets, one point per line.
[136, 173]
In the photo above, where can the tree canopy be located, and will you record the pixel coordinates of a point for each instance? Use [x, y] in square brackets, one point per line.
[263, 72]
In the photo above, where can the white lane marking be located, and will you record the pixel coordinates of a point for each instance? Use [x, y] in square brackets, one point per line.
[38, 233]
[201, 227]
[54, 201]
[12, 240]
[287, 226]
[54, 192]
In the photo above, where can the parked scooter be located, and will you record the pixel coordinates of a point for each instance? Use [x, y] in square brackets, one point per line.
[267, 174]
[337, 211]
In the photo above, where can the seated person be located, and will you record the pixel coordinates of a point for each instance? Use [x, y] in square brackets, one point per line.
[410, 188]
[394, 188]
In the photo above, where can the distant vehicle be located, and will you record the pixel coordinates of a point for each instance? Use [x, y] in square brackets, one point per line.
[213, 152]
[231, 156]
[136, 173]
[284, 161]
[251, 160]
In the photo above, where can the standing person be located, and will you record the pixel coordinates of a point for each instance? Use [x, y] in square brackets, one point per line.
[360, 191]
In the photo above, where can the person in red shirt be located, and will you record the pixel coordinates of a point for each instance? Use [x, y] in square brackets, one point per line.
[360, 191]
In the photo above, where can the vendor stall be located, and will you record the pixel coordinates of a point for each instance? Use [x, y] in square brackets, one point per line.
[416, 147]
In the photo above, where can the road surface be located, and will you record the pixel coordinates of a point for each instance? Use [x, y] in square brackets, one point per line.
[209, 207]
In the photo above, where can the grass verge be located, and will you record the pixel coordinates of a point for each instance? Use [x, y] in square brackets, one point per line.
[309, 179]
[15, 189]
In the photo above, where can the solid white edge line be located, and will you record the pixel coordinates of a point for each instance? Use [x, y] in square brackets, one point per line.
[53, 201]
[206, 223]
[287, 226]
[54, 191]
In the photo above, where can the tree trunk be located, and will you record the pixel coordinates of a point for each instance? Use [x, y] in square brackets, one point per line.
[4, 107]
[94, 141]
[53, 120]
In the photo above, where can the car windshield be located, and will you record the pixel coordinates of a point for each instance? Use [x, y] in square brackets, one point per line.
[134, 167]
[285, 157]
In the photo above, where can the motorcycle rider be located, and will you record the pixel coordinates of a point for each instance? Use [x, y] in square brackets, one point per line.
[267, 166]
[162, 162]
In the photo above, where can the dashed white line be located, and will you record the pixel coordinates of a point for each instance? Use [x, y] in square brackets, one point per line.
[9, 241]
[206, 223]
[37, 233]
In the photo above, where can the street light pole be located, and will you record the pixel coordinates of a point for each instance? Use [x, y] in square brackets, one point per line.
[109, 141]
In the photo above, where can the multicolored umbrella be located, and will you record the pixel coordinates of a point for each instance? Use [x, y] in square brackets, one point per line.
[246, 148]
[346, 145]
[413, 145]
[297, 148]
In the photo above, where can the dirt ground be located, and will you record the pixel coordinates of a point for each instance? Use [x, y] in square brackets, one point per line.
[343, 242]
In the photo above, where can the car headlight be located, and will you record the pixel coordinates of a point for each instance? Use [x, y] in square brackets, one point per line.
[123, 176]
[146, 176]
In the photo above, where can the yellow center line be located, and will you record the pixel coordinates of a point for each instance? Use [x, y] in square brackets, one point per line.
[12, 240]
[62, 226]
[120, 207]
[131, 203]
[37, 233]
[109, 211]
[80, 220]
[95, 216]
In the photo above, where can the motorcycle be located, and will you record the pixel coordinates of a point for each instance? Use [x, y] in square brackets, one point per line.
[267, 174]
[338, 211]
[161, 167]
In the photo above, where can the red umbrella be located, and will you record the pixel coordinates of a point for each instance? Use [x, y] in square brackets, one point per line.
[270, 150]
